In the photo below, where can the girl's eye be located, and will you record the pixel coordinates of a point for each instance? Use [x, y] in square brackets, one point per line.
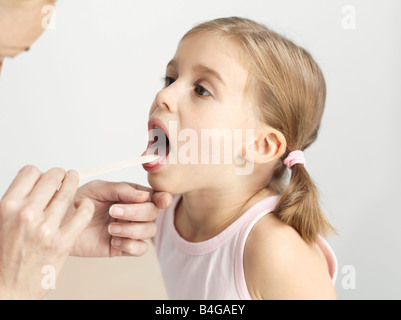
[168, 81]
[200, 91]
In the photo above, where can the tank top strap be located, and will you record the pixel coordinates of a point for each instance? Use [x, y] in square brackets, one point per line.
[257, 212]
[254, 214]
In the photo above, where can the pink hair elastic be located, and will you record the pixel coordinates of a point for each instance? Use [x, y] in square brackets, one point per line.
[295, 157]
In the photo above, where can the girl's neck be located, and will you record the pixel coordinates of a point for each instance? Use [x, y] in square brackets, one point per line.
[203, 214]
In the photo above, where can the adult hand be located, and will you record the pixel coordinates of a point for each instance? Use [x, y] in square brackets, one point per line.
[123, 220]
[31, 234]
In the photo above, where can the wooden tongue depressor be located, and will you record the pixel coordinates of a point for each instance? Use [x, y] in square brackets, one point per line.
[116, 166]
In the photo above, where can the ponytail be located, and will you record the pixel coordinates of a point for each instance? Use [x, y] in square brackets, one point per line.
[299, 206]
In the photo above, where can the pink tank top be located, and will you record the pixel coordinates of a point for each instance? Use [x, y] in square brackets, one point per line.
[212, 269]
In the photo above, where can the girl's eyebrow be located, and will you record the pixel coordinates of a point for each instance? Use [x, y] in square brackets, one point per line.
[201, 69]
[172, 64]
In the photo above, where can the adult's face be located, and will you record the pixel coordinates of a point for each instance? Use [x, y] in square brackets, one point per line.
[21, 23]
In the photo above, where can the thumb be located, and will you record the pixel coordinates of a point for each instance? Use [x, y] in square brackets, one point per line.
[162, 200]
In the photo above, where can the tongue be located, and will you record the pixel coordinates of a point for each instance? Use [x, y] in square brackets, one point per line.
[158, 143]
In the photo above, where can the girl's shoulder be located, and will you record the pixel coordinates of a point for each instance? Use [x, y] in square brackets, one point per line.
[279, 264]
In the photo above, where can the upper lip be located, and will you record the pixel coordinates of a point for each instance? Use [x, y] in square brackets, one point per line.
[157, 122]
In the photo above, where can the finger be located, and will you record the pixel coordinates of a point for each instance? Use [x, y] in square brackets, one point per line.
[79, 221]
[130, 247]
[46, 187]
[138, 212]
[141, 188]
[162, 200]
[117, 192]
[134, 231]
[23, 183]
[63, 199]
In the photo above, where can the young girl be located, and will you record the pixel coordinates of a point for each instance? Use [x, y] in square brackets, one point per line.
[230, 235]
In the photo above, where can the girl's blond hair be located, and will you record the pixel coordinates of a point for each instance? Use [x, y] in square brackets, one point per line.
[290, 92]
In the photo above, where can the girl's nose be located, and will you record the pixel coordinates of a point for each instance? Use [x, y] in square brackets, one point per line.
[166, 99]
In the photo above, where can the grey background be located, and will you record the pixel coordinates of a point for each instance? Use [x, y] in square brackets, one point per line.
[81, 96]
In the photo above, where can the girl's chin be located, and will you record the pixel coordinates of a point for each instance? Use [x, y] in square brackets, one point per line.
[159, 183]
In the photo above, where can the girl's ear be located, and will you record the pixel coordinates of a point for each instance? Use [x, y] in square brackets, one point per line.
[268, 147]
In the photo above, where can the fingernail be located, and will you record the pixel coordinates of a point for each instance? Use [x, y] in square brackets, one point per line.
[167, 202]
[143, 194]
[114, 229]
[73, 172]
[116, 242]
[117, 212]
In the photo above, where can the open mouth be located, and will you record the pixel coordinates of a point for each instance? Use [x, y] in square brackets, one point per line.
[159, 143]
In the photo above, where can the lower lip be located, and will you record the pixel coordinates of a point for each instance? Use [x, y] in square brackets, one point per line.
[154, 165]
